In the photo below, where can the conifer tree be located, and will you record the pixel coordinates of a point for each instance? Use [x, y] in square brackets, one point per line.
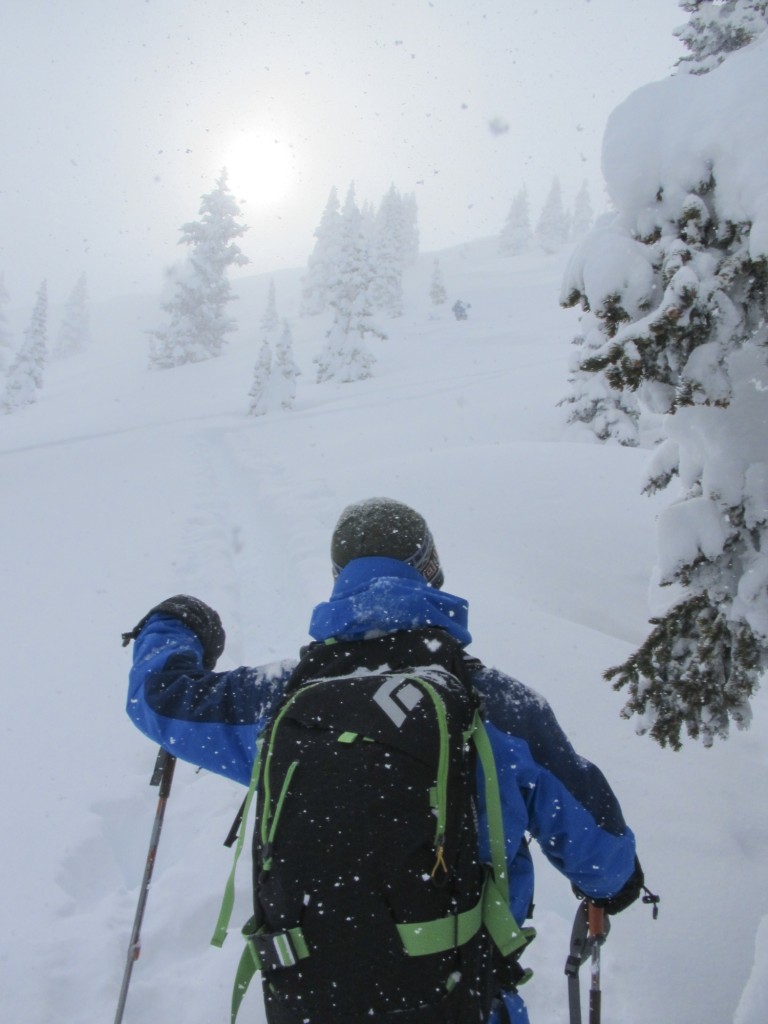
[583, 215]
[270, 320]
[552, 226]
[410, 228]
[200, 290]
[389, 254]
[285, 369]
[322, 263]
[75, 331]
[25, 376]
[717, 28]
[516, 235]
[346, 355]
[437, 292]
[261, 388]
[690, 342]
[6, 340]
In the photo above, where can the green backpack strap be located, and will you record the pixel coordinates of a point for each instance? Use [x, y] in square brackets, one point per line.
[228, 900]
[501, 925]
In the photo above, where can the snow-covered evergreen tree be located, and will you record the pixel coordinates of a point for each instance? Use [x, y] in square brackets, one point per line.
[516, 235]
[437, 292]
[717, 28]
[285, 371]
[25, 376]
[261, 393]
[270, 322]
[552, 226]
[410, 228]
[322, 263]
[6, 340]
[75, 329]
[583, 215]
[197, 307]
[678, 289]
[345, 355]
[389, 254]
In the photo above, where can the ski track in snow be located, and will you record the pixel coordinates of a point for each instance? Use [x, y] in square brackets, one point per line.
[159, 483]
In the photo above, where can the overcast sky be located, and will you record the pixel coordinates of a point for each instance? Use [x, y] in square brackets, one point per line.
[118, 115]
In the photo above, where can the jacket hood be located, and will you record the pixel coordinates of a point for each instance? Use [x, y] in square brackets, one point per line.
[375, 596]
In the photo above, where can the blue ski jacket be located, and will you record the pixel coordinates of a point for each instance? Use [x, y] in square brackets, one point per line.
[213, 719]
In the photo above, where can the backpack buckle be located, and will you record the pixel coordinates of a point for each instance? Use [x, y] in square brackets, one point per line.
[276, 950]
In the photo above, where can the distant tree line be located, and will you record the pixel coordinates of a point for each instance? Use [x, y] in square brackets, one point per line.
[556, 226]
[24, 367]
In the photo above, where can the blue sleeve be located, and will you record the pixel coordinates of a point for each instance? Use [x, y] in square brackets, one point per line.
[569, 807]
[209, 718]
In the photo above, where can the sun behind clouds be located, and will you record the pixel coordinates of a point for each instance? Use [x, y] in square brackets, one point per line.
[260, 167]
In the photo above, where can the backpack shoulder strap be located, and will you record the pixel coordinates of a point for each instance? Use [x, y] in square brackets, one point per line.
[506, 933]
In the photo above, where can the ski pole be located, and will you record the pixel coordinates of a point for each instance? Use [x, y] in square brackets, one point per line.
[162, 776]
[590, 928]
[596, 923]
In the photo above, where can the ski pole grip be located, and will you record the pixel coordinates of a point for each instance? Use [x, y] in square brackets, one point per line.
[596, 919]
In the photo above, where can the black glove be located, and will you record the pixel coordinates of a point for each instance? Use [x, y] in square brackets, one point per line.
[198, 616]
[624, 898]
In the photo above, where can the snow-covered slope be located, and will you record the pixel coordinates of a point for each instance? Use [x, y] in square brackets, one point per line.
[122, 486]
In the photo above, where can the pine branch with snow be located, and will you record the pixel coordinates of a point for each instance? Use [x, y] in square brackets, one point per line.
[717, 29]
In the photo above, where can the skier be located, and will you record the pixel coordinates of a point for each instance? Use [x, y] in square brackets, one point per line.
[388, 581]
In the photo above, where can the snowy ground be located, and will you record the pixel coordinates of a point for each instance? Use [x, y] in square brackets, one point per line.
[122, 486]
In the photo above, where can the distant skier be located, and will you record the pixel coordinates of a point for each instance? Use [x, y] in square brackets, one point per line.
[344, 891]
[459, 309]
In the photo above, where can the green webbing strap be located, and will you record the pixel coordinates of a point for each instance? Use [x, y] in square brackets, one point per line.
[445, 933]
[497, 917]
[278, 950]
[500, 924]
[442, 761]
[276, 816]
[249, 964]
[228, 900]
[493, 806]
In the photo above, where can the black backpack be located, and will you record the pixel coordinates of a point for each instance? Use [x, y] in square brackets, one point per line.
[370, 903]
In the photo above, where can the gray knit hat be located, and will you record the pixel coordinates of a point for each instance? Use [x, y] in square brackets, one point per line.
[388, 529]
